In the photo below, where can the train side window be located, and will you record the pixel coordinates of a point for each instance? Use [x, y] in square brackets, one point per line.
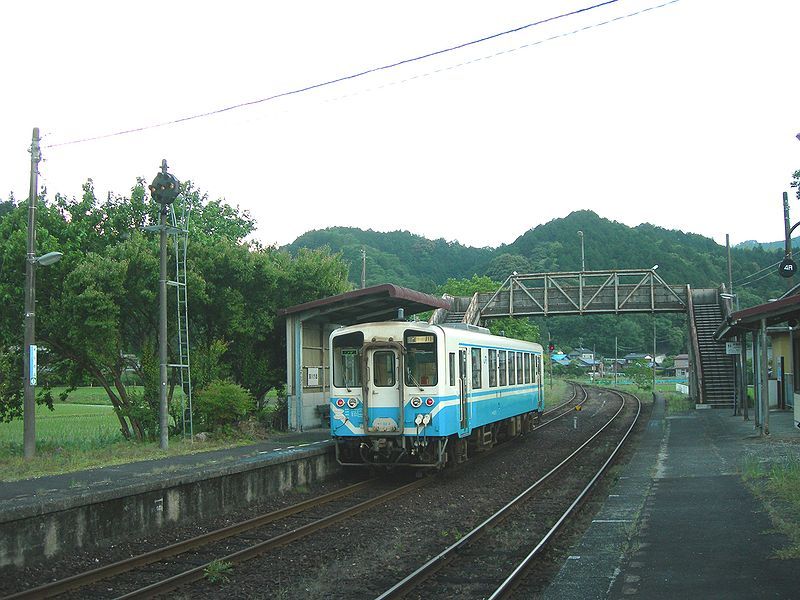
[492, 368]
[527, 367]
[512, 372]
[452, 365]
[534, 360]
[476, 368]
[384, 368]
[502, 363]
[520, 370]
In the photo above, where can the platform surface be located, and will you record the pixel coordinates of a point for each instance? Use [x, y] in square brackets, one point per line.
[680, 522]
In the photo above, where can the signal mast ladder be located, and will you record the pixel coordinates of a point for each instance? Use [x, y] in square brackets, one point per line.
[180, 233]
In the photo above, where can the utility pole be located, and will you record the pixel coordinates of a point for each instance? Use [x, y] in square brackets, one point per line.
[616, 360]
[29, 397]
[787, 243]
[654, 357]
[583, 258]
[363, 268]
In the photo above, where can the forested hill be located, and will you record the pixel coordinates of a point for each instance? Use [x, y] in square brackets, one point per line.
[406, 259]
[398, 257]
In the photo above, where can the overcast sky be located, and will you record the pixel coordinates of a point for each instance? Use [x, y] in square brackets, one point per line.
[684, 116]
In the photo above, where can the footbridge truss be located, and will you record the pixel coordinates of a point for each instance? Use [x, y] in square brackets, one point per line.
[583, 292]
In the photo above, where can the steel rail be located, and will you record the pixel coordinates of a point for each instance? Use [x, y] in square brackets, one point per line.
[123, 566]
[245, 554]
[516, 575]
[566, 412]
[424, 571]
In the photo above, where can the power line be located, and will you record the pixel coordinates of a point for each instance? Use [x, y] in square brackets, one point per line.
[502, 52]
[743, 280]
[336, 80]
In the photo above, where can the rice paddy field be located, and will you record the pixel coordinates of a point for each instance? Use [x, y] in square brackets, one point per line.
[83, 433]
[75, 426]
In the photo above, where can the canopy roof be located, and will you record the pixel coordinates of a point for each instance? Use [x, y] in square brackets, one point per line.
[376, 303]
[749, 319]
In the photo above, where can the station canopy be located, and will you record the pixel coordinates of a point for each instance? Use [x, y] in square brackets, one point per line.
[376, 303]
[749, 319]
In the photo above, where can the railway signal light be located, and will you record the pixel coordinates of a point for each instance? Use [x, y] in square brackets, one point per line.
[551, 347]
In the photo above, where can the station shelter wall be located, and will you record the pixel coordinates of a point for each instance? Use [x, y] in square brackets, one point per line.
[307, 383]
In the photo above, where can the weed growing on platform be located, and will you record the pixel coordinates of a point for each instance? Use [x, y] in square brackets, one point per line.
[678, 403]
[778, 487]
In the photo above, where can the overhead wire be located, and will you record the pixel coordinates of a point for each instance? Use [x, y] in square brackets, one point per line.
[743, 280]
[341, 78]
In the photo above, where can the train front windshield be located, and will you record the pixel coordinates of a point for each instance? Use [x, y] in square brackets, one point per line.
[421, 365]
[347, 360]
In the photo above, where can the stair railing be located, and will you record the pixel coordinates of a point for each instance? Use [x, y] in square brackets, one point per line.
[697, 367]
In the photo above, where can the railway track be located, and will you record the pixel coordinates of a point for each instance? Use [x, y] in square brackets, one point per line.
[188, 561]
[196, 551]
[515, 535]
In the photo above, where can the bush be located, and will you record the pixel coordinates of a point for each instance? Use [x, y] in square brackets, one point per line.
[275, 415]
[221, 404]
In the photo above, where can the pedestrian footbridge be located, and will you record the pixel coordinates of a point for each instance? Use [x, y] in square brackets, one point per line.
[622, 291]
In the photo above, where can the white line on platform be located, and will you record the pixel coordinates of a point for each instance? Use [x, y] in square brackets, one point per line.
[612, 521]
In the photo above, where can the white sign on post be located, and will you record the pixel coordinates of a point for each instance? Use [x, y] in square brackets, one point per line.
[32, 365]
[733, 348]
[313, 377]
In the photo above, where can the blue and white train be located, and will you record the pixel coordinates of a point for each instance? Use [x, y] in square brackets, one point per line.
[414, 394]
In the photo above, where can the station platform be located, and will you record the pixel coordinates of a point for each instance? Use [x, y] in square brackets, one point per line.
[84, 487]
[54, 516]
[679, 522]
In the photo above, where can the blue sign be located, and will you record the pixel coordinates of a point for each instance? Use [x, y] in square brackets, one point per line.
[32, 369]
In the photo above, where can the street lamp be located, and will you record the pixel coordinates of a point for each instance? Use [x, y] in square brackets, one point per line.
[583, 258]
[29, 368]
[654, 268]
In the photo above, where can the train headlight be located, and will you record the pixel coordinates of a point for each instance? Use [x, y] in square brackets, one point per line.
[426, 419]
[428, 401]
[352, 402]
[416, 402]
[418, 420]
[340, 402]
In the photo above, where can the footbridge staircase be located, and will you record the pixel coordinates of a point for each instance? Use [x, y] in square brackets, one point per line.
[612, 292]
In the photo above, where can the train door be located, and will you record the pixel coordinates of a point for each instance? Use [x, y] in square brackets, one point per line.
[383, 392]
[463, 389]
[539, 374]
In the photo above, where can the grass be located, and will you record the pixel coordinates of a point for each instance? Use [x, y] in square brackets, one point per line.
[76, 436]
[677, 402]
[218, 571]
[88, 395]
[777, 485]
[75, 426]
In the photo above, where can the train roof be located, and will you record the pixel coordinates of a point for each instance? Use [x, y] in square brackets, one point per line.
[471, 334]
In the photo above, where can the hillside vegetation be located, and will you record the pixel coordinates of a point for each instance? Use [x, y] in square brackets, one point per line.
[410, 260]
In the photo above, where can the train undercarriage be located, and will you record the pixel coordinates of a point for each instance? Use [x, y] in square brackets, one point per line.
[435, 452]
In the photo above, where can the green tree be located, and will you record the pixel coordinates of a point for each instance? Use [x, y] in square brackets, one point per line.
[97, 308]
[640, 374]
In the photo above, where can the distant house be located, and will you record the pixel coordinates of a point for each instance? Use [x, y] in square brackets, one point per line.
[595, 366]
[582, 353]
[637, 356]
[559, 358]
[681, 365]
